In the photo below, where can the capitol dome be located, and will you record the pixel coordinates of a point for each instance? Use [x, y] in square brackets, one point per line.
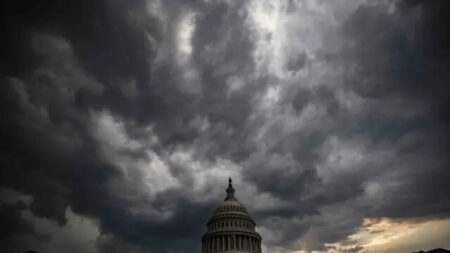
[231, 229]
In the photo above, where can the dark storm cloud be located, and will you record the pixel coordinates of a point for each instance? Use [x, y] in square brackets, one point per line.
[179, 232]
[48, 151]
[297, 62]
[388, 62]
[73, 68]
[15, 228]
[392, 62]
[398, 65]
[67, 65]
[106, 39]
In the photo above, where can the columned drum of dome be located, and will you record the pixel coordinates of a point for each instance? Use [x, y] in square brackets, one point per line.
[231, 229]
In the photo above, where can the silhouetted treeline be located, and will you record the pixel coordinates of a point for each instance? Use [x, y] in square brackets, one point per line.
[434, 251]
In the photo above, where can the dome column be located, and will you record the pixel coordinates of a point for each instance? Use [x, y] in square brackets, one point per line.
[223, 242]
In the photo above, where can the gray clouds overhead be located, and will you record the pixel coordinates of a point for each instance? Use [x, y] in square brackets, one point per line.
[131, 116]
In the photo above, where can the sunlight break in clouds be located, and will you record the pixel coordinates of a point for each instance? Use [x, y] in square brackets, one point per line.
[397, 236]
[186, 29]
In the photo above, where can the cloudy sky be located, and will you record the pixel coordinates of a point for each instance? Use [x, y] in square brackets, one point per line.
[121, 122]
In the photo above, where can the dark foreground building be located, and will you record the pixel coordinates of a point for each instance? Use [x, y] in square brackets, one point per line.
[434, 251]
[231, 229]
